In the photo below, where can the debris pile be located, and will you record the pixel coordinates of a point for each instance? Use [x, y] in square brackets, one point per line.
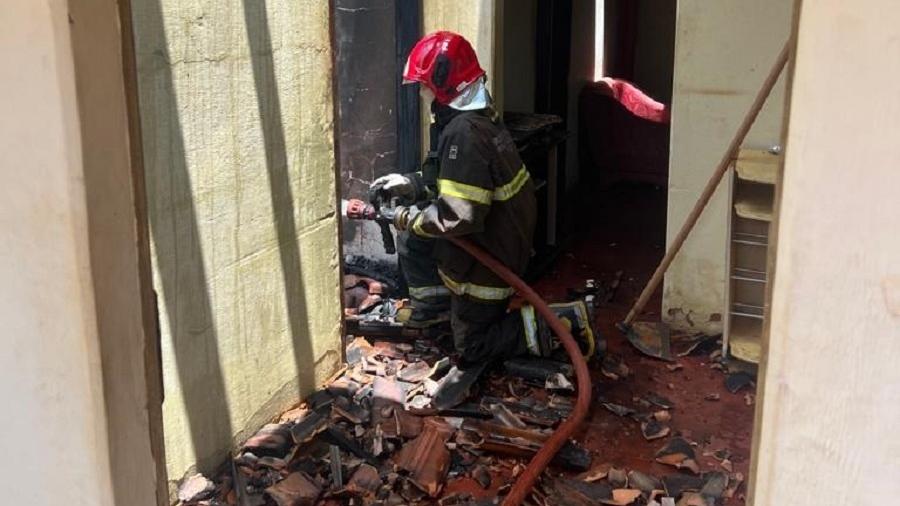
[403, 424]
[377, 434]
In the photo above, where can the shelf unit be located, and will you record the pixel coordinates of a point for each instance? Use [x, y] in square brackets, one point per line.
[752, 206]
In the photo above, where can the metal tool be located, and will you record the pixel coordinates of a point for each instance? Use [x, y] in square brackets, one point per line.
[358, 210]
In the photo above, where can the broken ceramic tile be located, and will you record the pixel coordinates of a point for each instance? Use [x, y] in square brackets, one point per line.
[692, 499]
[617, 478]
[296, 489]
[334, 435]
[415, 372]
[596, 472]
[734, 483]
[506, 417]
[344, 386]
[457, 499]
[735, 381]
[727, 465]
[390, 390]
[678, 453]
[308, 427]
[662, 415]
[565, 491]
[559, 382]
[426, 457]
[419, 402]
[677, 484]
[644, 482]
[293, 415]
[614, 368]
[273, 440]
[389, 349]
[482, 476]
[652, 429]
[715, 484]
[622, 497]
[364, 481]
[659, 400]
[350, 411]
[357, 350]
[618, 409]
[319, 399]
[196, 488]
[272, 462]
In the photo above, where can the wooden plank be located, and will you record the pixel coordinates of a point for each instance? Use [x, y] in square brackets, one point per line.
[757, 165]
[745, 339]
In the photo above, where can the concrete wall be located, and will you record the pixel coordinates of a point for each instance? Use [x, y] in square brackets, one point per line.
[723, 51]
[654, 48]
[581, 72]
[830, 396]
[237, 119]
[365, 37]
[77, 417]
[519, 45]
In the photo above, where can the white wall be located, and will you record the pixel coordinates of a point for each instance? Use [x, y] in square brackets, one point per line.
[830, 400]
[53, 430]
[723, 51]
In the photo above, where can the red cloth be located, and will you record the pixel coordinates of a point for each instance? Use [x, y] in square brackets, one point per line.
[635, 100]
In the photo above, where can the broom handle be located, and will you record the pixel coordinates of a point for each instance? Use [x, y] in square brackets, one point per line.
[711, 185]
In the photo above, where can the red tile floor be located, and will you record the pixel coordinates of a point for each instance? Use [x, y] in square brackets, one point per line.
[626, 232]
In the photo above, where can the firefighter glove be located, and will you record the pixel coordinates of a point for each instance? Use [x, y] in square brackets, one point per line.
[394, 186]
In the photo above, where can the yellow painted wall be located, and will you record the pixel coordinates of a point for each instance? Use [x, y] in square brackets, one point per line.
[830, 396]
[236, 113]
[476, 20]
[723, 51]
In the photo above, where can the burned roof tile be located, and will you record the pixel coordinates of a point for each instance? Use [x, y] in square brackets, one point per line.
[427, 457]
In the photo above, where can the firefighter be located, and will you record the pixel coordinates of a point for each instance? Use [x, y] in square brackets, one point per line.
[473, 184]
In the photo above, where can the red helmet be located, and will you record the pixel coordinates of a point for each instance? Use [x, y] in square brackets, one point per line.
[444, 62]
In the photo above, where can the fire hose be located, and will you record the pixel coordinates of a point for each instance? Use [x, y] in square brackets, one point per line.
[540, 460]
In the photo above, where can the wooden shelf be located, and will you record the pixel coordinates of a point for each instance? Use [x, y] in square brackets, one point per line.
[753, 207]
[757, 165]
[750, 275]
[745, 339]
[753, 200]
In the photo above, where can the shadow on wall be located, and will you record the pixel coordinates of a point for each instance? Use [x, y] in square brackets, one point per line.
[180, 269]
[179, 258]
[260, 39]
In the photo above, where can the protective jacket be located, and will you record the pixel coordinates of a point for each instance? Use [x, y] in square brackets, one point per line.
[482, 191]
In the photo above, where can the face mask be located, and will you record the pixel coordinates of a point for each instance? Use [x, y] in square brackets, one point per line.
[426, 94]
[474, 96]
